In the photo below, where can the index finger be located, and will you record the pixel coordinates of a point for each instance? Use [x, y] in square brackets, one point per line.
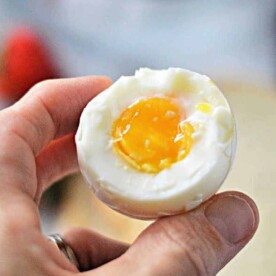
[52, 109]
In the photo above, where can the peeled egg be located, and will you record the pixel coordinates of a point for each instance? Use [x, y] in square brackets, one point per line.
[157, 143]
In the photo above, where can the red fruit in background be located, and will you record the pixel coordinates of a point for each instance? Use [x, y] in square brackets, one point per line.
[25, 61]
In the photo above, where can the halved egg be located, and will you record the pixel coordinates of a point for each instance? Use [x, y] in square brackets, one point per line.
[157, 143]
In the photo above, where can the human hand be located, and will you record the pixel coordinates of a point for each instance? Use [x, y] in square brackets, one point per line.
[37, 147]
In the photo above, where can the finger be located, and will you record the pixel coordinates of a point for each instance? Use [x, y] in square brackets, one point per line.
[52, 109]
[56, 161]
[200, 242]
[92, 249]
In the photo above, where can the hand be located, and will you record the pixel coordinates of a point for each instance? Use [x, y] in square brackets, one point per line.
[37, 147]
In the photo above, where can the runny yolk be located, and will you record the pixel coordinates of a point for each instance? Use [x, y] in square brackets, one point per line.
[150, 136]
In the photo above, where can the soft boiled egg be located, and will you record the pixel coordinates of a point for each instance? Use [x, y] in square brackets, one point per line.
[157, 143]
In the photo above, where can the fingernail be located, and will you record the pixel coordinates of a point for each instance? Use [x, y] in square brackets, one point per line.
[232, 217]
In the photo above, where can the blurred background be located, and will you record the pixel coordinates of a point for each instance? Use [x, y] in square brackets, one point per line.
[234, 42]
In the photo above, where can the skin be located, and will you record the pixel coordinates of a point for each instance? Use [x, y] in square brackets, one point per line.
[37, 147]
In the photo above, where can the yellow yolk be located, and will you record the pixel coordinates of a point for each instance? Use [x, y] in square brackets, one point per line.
[150, 136]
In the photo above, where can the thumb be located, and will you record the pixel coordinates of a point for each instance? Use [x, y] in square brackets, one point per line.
[200, 242]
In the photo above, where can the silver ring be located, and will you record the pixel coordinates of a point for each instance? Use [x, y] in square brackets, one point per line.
[64, 248]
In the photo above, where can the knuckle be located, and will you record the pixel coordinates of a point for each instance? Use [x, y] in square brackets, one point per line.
[41, 90]
[188, 245]
[41, 86]
[196, 263]
[11, 225]
[16, 129]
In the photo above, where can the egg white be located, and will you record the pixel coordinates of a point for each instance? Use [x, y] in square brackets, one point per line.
[185, 184]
